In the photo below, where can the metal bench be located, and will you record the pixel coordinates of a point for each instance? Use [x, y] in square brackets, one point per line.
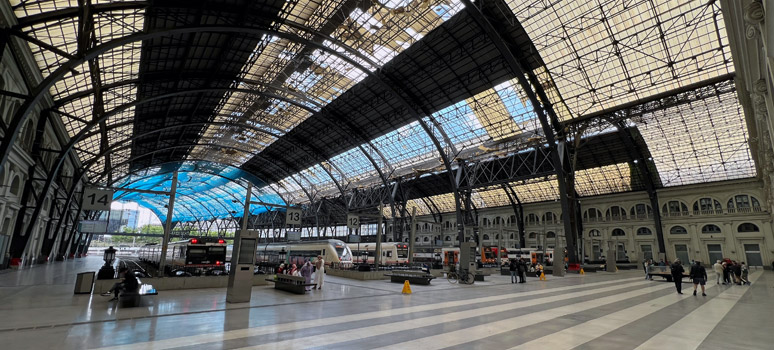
[288, 283]
[133, 298]
[414, 277]
[663, 271]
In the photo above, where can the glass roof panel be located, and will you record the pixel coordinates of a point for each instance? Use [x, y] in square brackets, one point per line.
[603, 54]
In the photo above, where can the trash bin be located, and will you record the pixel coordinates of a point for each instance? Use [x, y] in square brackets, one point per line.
[84, 283]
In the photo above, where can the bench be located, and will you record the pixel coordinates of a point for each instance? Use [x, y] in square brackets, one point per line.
[414, 277]
[133, 298]
[663, 271]
[288, 283]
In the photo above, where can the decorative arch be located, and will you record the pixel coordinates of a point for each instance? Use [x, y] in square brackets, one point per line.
[748, 227]
[617, 232]
[678, 230]
[644, 231]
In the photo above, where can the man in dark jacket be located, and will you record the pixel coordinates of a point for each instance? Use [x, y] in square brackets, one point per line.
[699, 276]
[514, 268]
[522, 271]
[677, 275]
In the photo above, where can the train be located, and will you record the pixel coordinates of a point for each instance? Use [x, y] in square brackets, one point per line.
[451, 255]
[193, 255]
[333, 251]
[393, 253]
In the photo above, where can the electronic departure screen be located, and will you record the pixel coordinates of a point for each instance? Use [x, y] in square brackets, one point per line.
[246, 251]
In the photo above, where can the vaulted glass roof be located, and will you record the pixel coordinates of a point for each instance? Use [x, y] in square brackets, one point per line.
[270, 67]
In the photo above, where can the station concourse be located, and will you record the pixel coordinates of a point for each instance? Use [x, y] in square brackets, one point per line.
[386, 174]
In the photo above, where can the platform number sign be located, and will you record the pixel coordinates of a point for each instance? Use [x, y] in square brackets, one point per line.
[96, 199]
[293, 217]
[353, 221]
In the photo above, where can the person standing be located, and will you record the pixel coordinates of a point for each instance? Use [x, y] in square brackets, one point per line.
[699, 276]
[514, 268]
[306, 272]
[645, 265]
[522, 266]
[737, 271]
[726, 273]
[319, 275]
[677, 275]
[718, 267]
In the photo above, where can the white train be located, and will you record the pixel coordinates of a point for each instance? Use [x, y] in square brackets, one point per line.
[333, 251]
[393, 253]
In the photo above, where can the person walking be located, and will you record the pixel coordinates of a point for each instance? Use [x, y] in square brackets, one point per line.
[699, 276]
[745, 272]
[514, 268]
[677, 275]
[306, 272]
[718, 267]
[319, 275]
[645, 267]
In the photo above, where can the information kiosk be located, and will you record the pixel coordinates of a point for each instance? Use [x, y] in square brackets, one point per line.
[240, 278]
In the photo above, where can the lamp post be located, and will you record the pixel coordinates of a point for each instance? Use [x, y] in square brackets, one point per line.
[282, 255]
[107, 272]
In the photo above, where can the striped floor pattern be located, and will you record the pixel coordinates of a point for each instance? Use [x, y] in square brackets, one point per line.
[570, 313]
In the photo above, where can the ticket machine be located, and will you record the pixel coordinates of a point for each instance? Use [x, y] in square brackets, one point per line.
[240, 278]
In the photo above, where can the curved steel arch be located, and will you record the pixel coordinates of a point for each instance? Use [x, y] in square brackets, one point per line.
[23, 113]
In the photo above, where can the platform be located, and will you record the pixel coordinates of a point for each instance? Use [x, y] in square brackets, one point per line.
[596, 311]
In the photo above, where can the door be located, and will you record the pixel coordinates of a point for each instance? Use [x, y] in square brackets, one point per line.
[715, 253]
[620, 252]
[647, 251]
[753, 255]
[681, 251]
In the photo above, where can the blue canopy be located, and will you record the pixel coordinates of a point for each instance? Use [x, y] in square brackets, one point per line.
[205, 191]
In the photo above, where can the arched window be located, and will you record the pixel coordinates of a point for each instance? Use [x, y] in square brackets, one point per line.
[744, 204]
[447, 224]
[497, 220]
[711, 229]
[533, 219]
[641, 211]
[29, 135]
[644, 231]
[592, 214]
[549, 218]
[511, 235]
[486, 237]
[674, 208]
[594, 233]
[447, 238]
[615, 213]
[485, 222]
[705, 206]
[678, 230]
[389, 239]
[417, 239]
[512, 219]
[532, 235]
[748, 227]
[550, 234]
[16, 186]
[426, 239]
[618, 232]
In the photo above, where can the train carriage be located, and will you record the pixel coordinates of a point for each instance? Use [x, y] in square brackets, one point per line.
[393, 253]
[194, 255]
[333, 251]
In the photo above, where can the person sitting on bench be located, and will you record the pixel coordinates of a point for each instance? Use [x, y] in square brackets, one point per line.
[129, 283]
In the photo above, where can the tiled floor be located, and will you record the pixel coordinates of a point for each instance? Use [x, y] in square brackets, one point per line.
[596, 311]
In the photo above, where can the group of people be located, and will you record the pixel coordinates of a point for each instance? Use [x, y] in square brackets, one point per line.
[698, 274]
[519, 268]
[306, 271]
[729, 270]
[647, 264]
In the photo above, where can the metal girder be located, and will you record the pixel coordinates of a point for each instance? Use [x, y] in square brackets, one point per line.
[519, 166]
[544, 110]
[38, 91]
[518, 212]
[68, 12]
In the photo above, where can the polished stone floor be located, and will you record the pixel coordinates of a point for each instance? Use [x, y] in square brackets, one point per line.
[597, 311]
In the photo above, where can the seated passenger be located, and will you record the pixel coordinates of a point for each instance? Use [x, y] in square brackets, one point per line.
[128, 283]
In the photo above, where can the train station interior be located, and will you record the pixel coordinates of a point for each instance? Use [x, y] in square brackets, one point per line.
[363, 174]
